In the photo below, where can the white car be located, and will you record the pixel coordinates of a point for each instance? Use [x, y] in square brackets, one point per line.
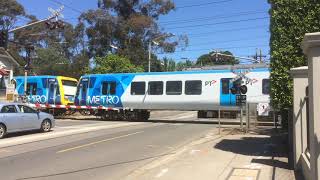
[15, 117]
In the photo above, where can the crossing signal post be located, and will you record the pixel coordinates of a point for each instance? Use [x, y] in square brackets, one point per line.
[241, 99]
[3, 39]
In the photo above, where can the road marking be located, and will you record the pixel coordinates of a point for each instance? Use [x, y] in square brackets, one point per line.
[151, 146]
[4, 151]
[253, 166]
[97, 142]
[193, 151]
[162, 172]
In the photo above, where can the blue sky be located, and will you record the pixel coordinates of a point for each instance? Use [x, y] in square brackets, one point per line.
[240, 26]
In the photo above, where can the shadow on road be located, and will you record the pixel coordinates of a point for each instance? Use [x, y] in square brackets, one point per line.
[270, 151]
[23, 133]
[254, 146]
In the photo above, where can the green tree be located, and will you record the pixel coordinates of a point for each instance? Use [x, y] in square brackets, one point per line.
[168, 64]
[290, 20]
[184, 64]
[10, 11]
[130, 25]
[171, 65]
[209, 60]
[49, 62]
[114, 64]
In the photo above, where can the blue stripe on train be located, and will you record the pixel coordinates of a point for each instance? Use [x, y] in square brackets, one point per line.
[94, 96]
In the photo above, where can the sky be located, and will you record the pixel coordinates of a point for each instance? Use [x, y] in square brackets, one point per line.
[239, 26]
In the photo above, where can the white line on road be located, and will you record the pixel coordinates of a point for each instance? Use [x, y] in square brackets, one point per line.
[193, 151]
[162, 172]
[97, 142]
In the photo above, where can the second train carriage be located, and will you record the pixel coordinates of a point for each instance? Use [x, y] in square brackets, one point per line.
[186, 90]
[55, 90]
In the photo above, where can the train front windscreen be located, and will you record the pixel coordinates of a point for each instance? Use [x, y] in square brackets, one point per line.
[70, 89]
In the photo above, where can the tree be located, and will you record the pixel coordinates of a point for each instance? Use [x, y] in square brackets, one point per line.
[130, 25]
[290, 20]
[209, 60]
[114, 64]
[171, 65]
[10, 10]
[186, 64]
[49, 62]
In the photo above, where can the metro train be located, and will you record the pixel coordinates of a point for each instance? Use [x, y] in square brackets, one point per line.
[135, 94]
[56, 90]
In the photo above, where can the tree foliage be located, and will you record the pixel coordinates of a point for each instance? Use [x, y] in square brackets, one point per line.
[169, 64]
[184, 64]
[49, 62]
[129, 25]
[290, 20]
[209, 60]
[114, 64]
[10, 10]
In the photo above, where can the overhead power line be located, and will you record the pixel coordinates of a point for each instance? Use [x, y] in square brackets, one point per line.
[225, 30]
[228, 41]
[225, 22]
[212, 17]
[222, 48]
[203, 4]
[67, 6]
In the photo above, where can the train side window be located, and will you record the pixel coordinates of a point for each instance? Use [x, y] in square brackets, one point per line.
[174, 87]
[225, 86]
[193, 87]
[138, 88]
[155, 88]
[109, 88]
[265, 86]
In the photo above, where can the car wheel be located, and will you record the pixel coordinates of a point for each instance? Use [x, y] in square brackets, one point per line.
[45, 126]
[3, 131]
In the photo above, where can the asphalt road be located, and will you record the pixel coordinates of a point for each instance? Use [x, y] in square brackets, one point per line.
[111, 153]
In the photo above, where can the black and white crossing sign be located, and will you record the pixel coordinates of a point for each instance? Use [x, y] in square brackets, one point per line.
[242, 74]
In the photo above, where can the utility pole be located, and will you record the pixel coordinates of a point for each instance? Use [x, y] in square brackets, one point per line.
[258, 57]
[29, 51]
[149, 66]
[4, 39]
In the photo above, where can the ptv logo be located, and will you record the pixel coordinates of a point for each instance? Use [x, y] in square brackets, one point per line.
[210, 83]
[251, 81]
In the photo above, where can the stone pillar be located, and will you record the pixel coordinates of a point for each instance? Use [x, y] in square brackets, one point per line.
[311, 47]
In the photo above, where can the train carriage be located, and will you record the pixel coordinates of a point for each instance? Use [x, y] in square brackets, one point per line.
[53, 90]
[137, 93]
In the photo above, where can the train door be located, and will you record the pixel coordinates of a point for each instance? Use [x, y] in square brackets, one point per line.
[52, 90]
[83, 91]
[32, 92]
[226, 97]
